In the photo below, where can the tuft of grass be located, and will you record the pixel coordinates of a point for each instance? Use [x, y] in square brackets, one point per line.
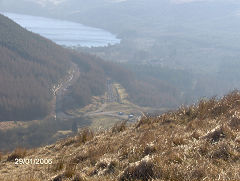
[84, 136]
[143, 121]
[198, 174]
[79, 159]
[196, 135]
[216, 135]
[177, 141]
[27, 179]
[78, 178]
[174, 158]
[101, 165]
[69, 142]
[149, 150]
[59, 178]
[204, 108]
[222, 152]
[70, 171]
[111, 167]
[58, 166]
[235, 123]
[204, 149]
[144, 171]
[17, 153]
[119, 127]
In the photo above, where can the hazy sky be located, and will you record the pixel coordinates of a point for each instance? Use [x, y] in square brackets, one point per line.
[186, 1]
[56, 2]
[47, 1]
[59, 1]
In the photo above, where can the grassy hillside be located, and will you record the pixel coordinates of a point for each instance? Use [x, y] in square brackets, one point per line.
[199, 142]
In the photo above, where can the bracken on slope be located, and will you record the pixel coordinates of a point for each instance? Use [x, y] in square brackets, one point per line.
[198, 142]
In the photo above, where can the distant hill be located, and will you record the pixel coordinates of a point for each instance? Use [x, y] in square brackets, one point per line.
[199, 142]
[198, 40]
[30, 66]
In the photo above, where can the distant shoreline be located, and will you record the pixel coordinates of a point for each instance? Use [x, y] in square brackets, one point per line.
[65, 33]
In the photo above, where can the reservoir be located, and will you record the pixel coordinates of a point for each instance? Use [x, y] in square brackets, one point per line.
[65, 33]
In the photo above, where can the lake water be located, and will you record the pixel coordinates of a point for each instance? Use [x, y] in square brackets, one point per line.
[65, 33]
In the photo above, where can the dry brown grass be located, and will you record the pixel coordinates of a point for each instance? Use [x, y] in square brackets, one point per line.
[119, 127]
[199, 142]
[69, 142]
[177, 141]
[58, 166]
[17, 153]
[235, 123]
[84, 136]
[143, 171]
[25, 179]
[70, 171]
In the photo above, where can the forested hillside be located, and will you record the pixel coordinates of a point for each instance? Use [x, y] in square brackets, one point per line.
[141, 91]
[29, 66]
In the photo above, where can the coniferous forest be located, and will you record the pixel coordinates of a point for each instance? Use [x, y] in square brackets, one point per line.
[31, 65]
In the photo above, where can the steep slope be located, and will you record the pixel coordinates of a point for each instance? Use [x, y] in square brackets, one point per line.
[30, 66]
[37, 83]
[199, 142]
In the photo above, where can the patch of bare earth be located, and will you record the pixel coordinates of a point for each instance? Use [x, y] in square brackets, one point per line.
[10, 124]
